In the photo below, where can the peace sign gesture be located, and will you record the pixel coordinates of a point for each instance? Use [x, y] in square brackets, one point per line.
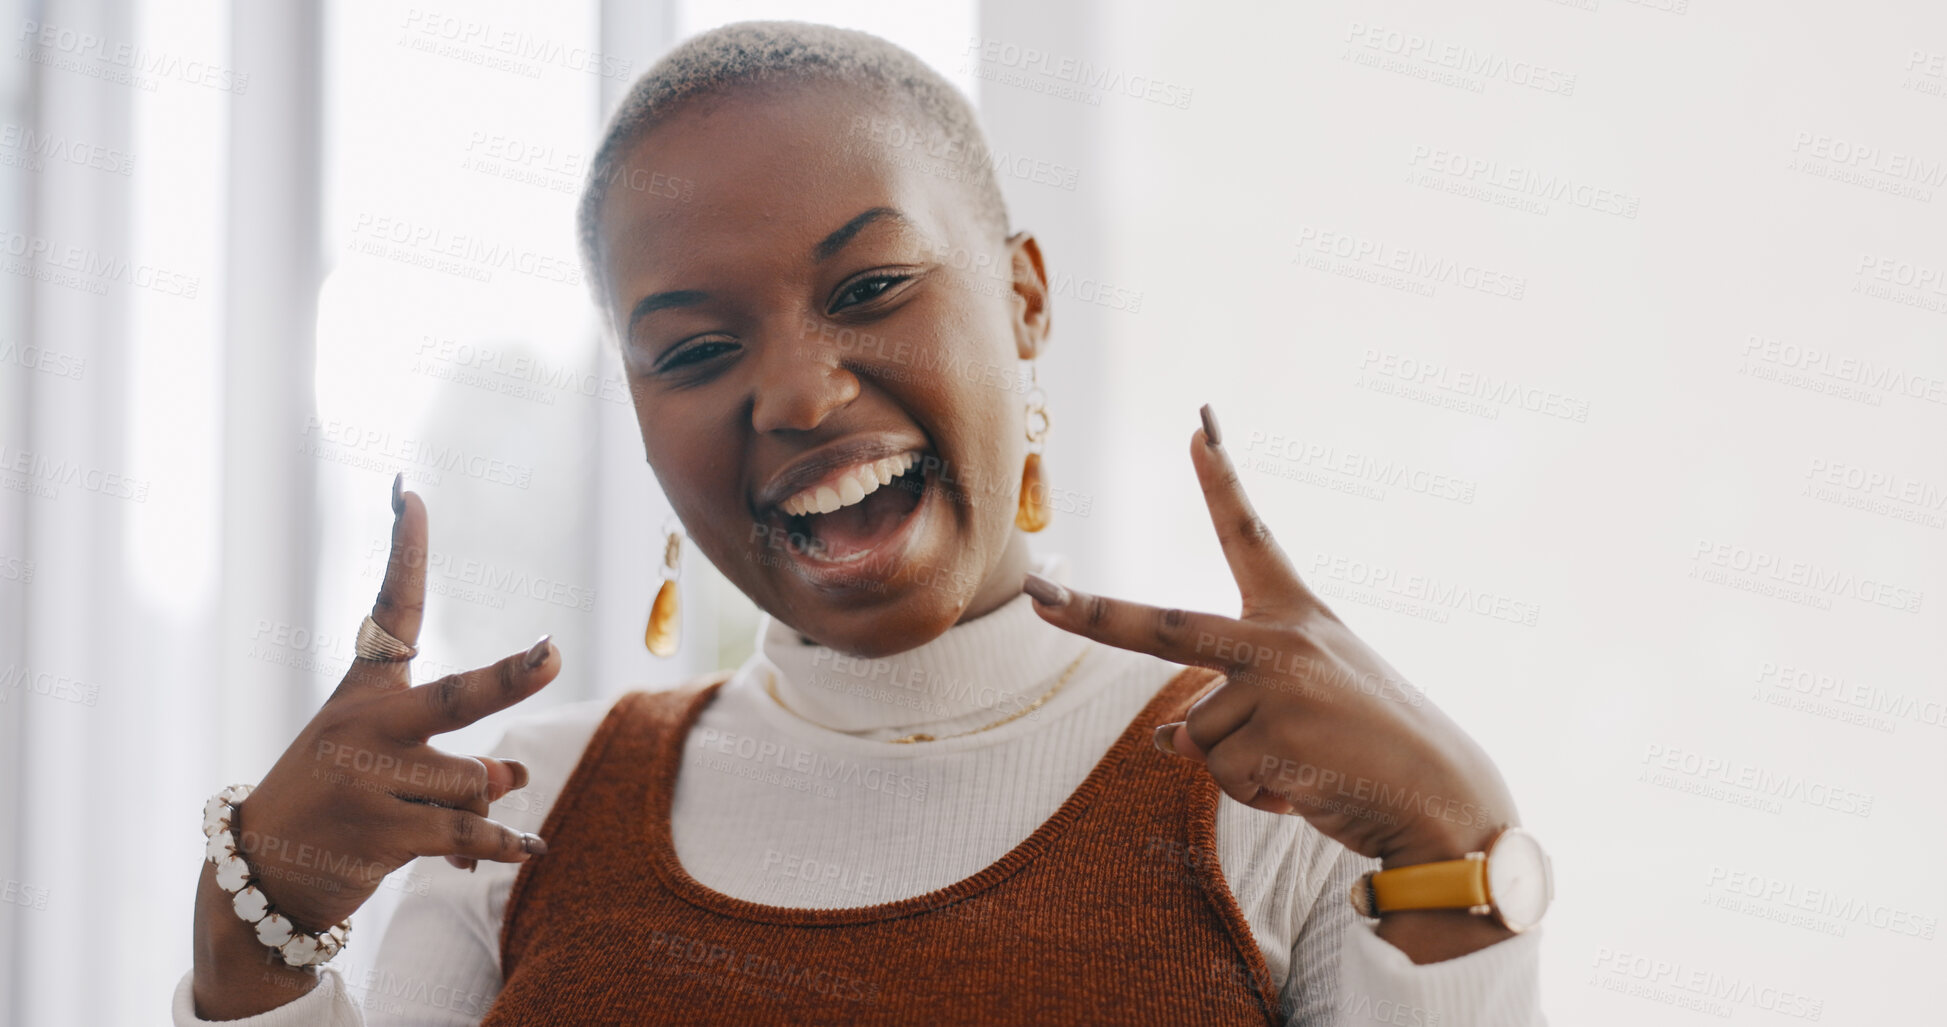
[361, 792]
[1308, 719]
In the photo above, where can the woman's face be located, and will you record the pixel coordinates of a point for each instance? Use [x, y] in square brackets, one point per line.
[804, 312]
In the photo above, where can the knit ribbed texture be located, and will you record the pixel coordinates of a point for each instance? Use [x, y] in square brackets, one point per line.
[967, 678]
[839, 833]
[1381, 986]
[326, 1005]
[1068, 927]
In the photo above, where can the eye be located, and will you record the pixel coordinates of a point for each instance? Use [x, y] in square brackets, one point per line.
[684, 356]
[865, 290]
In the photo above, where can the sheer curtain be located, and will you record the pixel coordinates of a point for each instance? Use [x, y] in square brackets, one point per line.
[261, 257]
[190, 490]
[158, 319]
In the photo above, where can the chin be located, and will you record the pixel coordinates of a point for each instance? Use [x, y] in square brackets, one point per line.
[895, 628]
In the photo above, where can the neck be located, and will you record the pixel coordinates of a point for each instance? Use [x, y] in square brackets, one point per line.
[991, 664]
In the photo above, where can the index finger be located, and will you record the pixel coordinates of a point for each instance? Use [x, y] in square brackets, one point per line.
[401, 603]
[456, 700]
[1265, 576]
[1179, 636]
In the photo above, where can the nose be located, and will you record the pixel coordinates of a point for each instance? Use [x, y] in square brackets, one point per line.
[799, 383]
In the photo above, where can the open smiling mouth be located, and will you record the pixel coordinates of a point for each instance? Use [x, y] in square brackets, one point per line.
[849, 515]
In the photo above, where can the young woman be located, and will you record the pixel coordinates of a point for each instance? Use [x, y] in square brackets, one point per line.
[929, 797]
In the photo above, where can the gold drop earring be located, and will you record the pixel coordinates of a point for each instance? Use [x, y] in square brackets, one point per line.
[665, 627]
[1032, 514]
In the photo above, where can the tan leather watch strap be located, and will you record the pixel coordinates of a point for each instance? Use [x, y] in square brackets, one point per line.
[1449, 884]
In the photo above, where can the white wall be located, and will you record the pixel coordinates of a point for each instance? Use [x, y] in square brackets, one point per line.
[1739, 183]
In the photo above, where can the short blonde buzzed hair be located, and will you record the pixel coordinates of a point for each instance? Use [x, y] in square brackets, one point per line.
[761, 52]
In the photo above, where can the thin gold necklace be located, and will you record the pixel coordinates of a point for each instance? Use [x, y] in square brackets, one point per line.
[770, 686]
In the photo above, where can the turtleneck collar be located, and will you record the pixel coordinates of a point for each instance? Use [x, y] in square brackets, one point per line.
[975, 673]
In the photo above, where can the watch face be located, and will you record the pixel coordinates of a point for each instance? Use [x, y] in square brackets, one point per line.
[1519, 880]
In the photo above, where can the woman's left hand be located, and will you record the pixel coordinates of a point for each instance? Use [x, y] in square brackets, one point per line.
[1309, 719]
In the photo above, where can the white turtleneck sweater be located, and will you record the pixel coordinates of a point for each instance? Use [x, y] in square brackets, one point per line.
[757, 816]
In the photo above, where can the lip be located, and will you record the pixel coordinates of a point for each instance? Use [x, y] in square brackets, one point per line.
[815, 467]
[868, 570]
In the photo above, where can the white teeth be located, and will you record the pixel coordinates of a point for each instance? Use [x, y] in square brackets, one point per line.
[851, 487]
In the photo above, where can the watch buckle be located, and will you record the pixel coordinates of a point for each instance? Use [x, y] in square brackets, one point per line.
[1363, 900]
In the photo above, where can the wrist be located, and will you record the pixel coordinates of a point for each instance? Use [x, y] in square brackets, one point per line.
[1443, 897]
[1455, 842]
[235, 974]
[1434, 935]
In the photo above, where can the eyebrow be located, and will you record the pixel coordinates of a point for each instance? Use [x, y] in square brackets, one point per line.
[826, 247]
[836, 241]
[663, 301]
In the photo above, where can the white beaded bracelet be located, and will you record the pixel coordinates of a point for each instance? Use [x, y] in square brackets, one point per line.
[233, 876]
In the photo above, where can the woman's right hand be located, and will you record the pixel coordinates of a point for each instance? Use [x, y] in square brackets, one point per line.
[361, 793]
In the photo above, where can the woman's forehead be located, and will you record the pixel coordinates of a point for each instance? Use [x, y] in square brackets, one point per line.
[758, 180]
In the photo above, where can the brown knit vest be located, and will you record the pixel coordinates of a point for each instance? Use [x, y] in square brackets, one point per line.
[1113, 911]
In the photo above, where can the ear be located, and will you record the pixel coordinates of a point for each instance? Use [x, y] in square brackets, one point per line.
[1030, 307]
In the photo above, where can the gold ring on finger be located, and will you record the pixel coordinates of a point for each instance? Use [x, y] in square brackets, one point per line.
[377, 644]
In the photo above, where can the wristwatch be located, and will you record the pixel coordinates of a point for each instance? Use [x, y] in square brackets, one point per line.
[1510, 881]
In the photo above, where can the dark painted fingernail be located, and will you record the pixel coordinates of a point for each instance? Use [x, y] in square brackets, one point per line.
[1165, 738]
[398, 493]
[533, 845]
[1211, 435]
[1045, 592]
[537, 655]
[472, 865]
[519, 770]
